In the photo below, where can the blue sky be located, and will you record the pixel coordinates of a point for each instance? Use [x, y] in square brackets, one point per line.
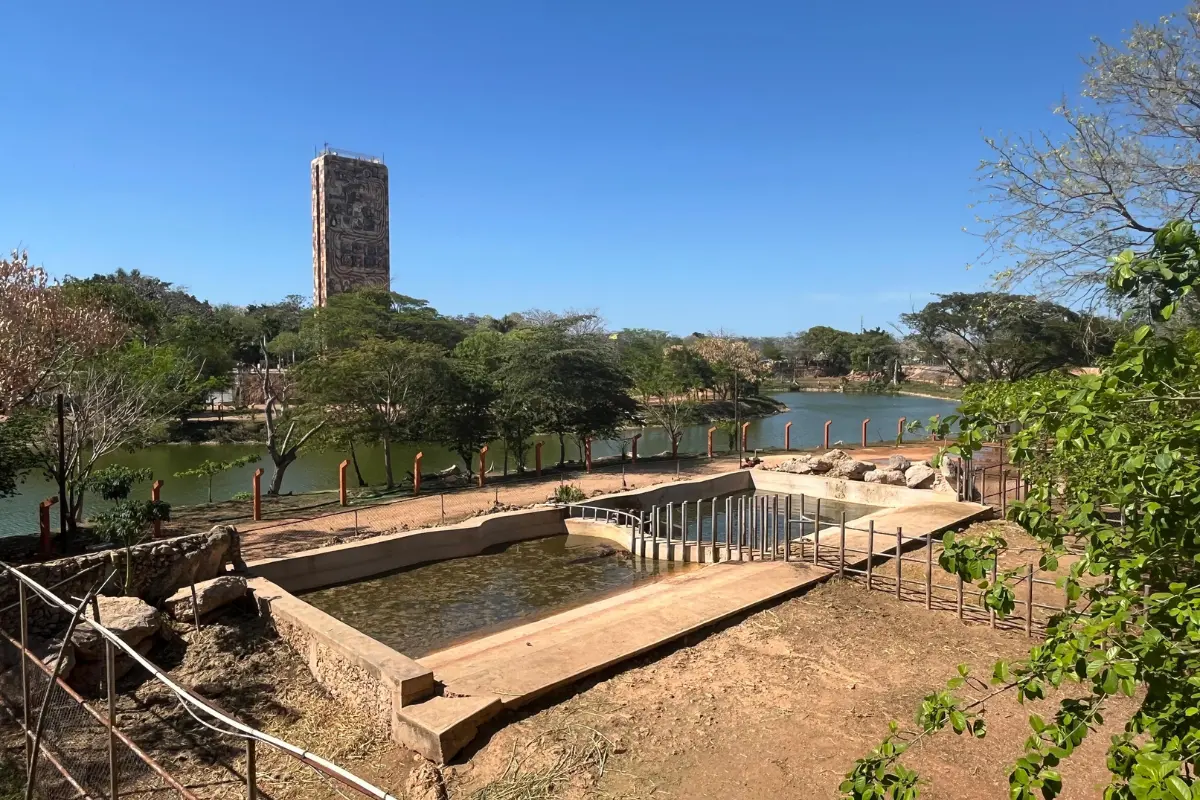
[760, 167]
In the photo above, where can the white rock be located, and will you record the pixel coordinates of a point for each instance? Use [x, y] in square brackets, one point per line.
[898, 462]
[919, 476]
[851, 469]
[210, 595]
[131, 618]
[891, 477]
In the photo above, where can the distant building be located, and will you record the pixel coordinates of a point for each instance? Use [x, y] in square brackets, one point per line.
[350, 224]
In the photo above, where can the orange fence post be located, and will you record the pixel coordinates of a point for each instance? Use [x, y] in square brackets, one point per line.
[828, 422]
[417, 473]
[636, 436]
[258, 494]
[342, 481]
[711, 431]
[482, 466]
[745, 433]
[44, 523]
[587, 453]
[156, 495]
[900, 430]
[864, 432]
[537, 458]
[787, 437]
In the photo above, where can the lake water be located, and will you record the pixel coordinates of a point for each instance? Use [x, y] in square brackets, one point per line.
[807, 411]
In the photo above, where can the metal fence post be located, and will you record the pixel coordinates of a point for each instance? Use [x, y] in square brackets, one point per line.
[929, 572]
[817, 533]
[251, 772]
[842, 548]
[25, 673]
[870, 550]
[728, 527]
[899, 561]
[787, 528]
[1029, 602]
[714, 554]
[110, 680]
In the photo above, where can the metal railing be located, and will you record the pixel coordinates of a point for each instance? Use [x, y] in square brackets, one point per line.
[76, 748]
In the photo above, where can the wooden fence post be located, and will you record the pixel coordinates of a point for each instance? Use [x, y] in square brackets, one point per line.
[482, 464]
[342, 481]
[258, 473]
[44, 524]
[864, 431]
[787, 437]
[1029, 602]
[155, 496]
[828, 422]
[417, 473]
[929, 572]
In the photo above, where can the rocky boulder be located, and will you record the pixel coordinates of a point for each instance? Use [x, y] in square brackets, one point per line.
[827, 462]
[898, 462]
[920, 476]
[891, 477]
[801, 465]
[851, 469]
[132, 619]
[210, 595]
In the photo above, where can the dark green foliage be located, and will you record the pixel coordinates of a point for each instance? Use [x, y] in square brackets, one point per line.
[1113, 462]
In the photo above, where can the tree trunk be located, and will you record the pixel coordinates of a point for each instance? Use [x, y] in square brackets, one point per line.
[354, 461]
[562, 450]
[506, 461]
[387, 462]
[281, 465]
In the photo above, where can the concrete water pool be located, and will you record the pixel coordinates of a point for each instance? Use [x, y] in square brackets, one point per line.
[421, 609]
[433, 631]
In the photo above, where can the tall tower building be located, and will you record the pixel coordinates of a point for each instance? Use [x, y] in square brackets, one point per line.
[350, 224]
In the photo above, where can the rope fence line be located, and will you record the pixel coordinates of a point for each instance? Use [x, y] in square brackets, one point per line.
[81, 749]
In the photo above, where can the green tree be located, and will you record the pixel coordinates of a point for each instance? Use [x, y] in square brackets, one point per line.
[208, 468]
[1118, 164]
[464, 417]
[126, 522]
[874, 351]
[1113, 464]
[998, 336]
[665, 385]
[829, 349]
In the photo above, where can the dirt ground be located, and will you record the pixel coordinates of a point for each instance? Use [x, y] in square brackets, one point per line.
[777, 704]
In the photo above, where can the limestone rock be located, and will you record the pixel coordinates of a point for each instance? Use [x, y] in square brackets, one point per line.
[801, 465]
[919, 476]
[940, 484]
[130, 618]
[425, 782]
[851, 469]
[827, 462]
[891, 477]
[210, 595]
[898, 462]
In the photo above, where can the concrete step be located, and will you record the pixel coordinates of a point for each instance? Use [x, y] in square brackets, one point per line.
[441, 726]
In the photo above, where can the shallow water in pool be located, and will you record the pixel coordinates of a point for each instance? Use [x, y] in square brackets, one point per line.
[422, 609]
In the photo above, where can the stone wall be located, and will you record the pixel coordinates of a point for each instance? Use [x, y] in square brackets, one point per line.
[159, 568]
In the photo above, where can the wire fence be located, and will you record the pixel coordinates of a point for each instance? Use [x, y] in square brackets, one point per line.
[75, 742]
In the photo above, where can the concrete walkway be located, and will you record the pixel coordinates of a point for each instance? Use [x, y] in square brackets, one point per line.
[923, 521]
[522, 663]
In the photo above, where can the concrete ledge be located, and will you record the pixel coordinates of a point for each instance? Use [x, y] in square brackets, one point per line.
[690, 489]
[351, 665]
[341, 563]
